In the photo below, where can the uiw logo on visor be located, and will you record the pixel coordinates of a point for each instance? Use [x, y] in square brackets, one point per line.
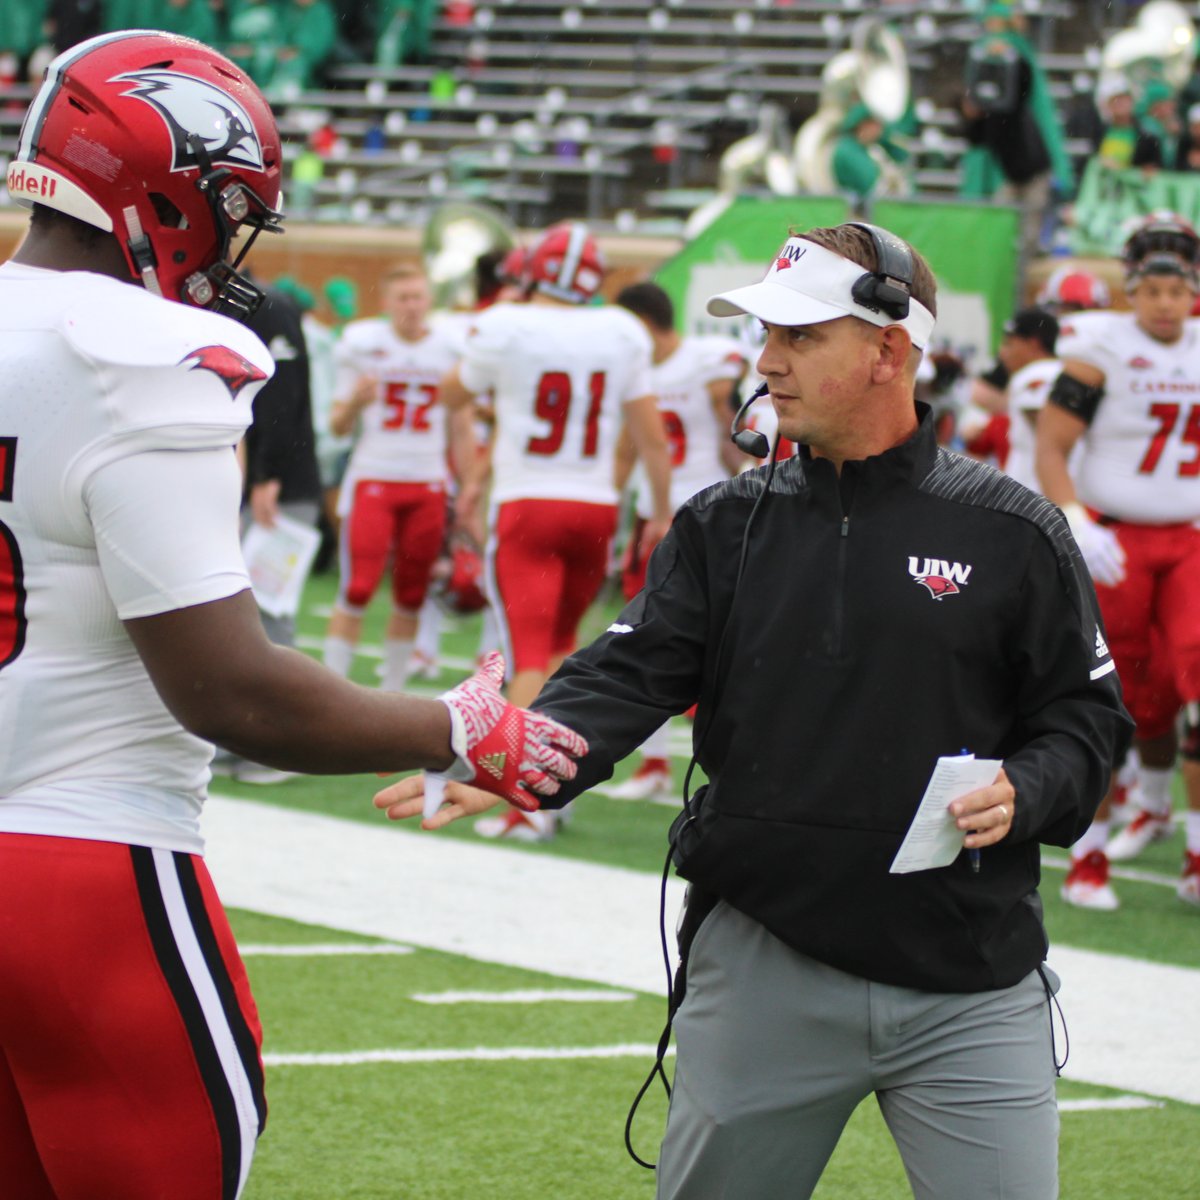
[189, 105]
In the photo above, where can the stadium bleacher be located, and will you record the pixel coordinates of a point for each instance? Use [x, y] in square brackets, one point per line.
[612, 109]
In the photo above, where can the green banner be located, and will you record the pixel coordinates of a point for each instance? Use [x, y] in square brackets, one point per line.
[1108, 199]
[971, 248]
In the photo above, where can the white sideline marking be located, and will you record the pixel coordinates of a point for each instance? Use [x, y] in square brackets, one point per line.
[319, 949]
[1132, 1023]
[528, 996]
[1098, 1104]
[476, 1054]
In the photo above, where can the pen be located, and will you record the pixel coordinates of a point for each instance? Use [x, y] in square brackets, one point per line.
[972, 854]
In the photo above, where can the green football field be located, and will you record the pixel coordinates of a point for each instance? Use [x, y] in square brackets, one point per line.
[404, 1072]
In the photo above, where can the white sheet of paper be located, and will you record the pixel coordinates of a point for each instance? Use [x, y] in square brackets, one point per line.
[278, 561]
[435, 792]
[933, 839]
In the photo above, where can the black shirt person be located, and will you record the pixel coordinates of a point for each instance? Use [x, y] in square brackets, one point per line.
[898, 603]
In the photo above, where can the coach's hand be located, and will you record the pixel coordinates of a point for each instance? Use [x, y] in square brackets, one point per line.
[986, 813]
[407, 799]
[515, 754]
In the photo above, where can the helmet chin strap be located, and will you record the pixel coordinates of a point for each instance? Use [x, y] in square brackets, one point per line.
[141, 251]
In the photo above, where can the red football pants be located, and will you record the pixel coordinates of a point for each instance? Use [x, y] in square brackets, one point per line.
[405, 520]
[547, 560]
[1152, 620]
[129, 1042]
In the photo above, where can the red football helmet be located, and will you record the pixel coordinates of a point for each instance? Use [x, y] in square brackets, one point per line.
[165, 144]
[458, 586]
[566, 263]
[514, 267]
[1162, 244]
[1069, 290]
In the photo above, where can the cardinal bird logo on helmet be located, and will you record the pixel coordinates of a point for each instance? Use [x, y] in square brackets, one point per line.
[189, 106]
[234, 371]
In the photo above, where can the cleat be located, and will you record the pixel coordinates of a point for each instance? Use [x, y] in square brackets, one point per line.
[517, 826]
[651, 781]
[421, 666]
[1189, 886]
[1087, 886]
[1145, 829]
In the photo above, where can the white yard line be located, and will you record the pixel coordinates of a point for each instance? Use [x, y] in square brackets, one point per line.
[357, 1058]
[319, 949]
[1132, 1024]
[1107, 1104]
[525, 996]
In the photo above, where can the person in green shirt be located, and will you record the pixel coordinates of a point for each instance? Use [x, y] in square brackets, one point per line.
[190, 18]
[1117, 146]
[1160, 121]
[309, 34]
[863, 153]
[21, 24]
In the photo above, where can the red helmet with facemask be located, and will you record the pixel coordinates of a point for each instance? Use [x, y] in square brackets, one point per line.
[165, 144]
[567, 264]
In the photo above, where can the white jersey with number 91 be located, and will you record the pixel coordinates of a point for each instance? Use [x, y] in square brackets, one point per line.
[559, 377]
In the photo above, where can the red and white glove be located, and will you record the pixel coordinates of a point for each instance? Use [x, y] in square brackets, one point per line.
[1103, 554]
[506, 750]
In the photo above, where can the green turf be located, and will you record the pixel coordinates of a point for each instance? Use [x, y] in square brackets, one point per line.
[536, 1130]
[533, 1130]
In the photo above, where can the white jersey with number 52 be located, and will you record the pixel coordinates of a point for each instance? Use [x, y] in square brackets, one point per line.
[559, 377]
[1142, 456]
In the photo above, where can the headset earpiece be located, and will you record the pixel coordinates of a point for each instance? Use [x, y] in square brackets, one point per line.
[888, 288]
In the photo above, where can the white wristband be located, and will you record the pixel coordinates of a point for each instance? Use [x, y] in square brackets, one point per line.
[460, 771]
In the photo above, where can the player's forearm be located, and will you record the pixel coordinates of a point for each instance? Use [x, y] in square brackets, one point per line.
[1051, 464]
[289, 712]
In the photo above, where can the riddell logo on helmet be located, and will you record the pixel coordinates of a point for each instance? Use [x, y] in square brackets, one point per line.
[25, 180]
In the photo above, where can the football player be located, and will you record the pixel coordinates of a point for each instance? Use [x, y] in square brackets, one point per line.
[1129, 392]
[393, 498]
[129, 637]
[564, 375]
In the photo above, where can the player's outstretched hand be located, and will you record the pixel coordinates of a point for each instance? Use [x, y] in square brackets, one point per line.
[407, 799]
[513, 753]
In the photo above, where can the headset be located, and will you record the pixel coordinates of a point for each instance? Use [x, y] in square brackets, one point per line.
[887, 289]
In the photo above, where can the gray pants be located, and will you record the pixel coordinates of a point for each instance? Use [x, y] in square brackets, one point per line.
[776, 1050]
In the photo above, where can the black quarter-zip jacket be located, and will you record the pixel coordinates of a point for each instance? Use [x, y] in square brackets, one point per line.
[918, 605]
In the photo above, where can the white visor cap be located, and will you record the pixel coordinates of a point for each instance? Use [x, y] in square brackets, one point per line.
[807, 284]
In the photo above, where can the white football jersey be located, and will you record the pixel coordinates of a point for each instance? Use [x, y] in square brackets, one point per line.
[694, 432]
[559, 377]
[1027, 392]
[1142, 456]
[402, 433]
[106, 388]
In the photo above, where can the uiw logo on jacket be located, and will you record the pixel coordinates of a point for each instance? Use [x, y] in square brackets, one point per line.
[942, 578]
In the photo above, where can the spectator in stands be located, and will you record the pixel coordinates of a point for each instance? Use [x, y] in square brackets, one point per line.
[1189, 142]
[1017, 145]
[191, 18]
[1160, 128]
[405, 31]
[309, 34]
[21, 29]
[1119, 142]
[69, 22]
[255, 36]
[864, 154]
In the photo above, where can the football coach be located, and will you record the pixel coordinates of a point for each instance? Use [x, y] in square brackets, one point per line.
[843, 618]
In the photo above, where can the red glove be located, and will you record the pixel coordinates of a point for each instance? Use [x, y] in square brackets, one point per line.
[505, 750]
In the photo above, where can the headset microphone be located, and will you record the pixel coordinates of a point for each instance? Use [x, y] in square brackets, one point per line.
[749, 441]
